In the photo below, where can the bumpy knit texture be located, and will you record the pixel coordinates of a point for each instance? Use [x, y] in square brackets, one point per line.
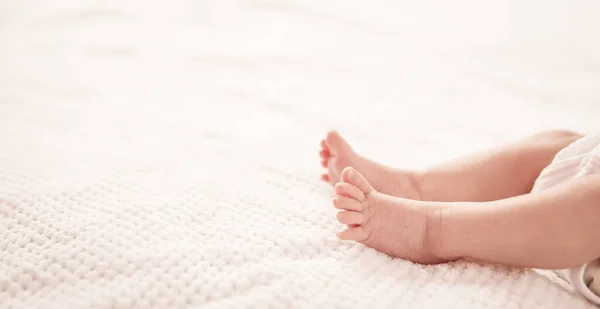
[163, 154]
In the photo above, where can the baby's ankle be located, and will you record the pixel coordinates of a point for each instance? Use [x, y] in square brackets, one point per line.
[436, 244]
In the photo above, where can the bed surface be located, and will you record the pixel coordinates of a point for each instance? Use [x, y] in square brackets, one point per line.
[163, 154]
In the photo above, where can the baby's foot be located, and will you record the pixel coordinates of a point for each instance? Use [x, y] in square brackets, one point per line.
[392, 225]
[336, 155]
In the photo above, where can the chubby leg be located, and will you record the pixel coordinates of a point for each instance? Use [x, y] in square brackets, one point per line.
[497, 173]
[552, 229]
[503, 172]
[555, 228]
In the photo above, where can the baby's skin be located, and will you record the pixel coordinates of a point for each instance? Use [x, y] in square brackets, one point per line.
[479, 207]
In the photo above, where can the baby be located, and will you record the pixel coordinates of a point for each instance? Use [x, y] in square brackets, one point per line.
[533, 203]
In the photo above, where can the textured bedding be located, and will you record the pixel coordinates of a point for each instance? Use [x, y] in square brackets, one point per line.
[163, 154]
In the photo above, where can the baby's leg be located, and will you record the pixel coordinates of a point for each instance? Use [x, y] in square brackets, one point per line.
[506, 171]
[495, 174]
[556, 228]
[552, 229]
[336, 154]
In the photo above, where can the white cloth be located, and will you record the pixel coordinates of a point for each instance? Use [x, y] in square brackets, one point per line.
[163, 154]
[579, 159]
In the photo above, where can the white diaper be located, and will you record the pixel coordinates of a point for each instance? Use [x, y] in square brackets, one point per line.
[578, 159]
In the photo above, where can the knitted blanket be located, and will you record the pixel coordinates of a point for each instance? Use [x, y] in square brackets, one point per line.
[163, 154]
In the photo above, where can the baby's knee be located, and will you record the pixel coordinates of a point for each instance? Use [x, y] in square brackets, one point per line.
[557, 136]
[560, 134]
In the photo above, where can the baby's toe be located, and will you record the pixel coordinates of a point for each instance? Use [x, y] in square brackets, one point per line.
[354, 233]
[350, 217]
[351, 176]
[346, 189]
[324, 145]
[347, 203]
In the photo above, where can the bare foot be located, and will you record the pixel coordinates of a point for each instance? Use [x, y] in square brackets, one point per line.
[392, 225]
[336, 155]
